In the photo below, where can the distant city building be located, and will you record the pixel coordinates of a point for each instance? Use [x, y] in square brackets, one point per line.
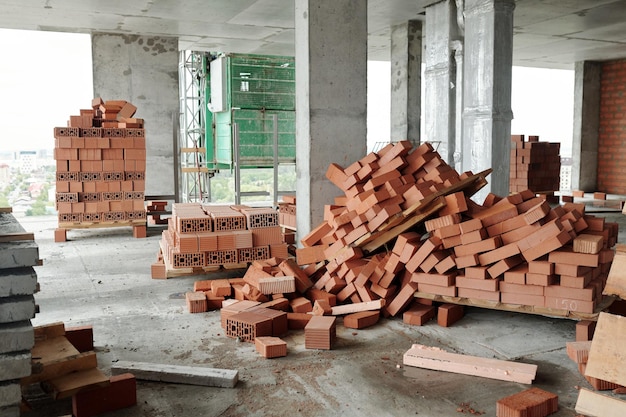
[27, 161]
[5, 173]
[566, 174]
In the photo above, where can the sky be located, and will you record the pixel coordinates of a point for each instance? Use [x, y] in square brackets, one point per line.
[46, 76]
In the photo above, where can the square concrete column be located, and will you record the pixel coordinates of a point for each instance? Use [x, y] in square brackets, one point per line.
[440, 75]
[406, 81]
[144, 71]
[487, 91]
[331, 99]
[586, 125]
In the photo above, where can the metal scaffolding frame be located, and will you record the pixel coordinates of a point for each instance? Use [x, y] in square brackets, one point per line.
[194, 173]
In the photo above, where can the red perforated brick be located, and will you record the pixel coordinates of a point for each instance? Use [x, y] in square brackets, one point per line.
[246, 326]
[270, 347]
[533, 402]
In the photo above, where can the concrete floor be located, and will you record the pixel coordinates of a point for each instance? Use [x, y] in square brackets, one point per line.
[102, 278]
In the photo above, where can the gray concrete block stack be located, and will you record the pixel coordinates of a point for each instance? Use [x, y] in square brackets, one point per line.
[18, 282]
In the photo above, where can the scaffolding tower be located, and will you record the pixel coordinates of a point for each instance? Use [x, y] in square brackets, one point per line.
[194, 173]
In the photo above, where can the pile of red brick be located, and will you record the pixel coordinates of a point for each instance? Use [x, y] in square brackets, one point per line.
[534, 165]
[407, 234]
[513, 250]
[207, 236]
[101, 164]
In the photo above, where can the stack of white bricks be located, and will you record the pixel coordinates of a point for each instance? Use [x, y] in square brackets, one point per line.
[18, 282]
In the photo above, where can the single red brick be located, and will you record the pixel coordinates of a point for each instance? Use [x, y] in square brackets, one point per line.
[121, 393]
[418, 314]
[448, 314]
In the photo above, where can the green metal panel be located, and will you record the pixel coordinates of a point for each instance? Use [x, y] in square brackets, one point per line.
[262, 82]
[257, 88]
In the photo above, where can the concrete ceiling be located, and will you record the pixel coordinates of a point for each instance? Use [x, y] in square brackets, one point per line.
[547, 33]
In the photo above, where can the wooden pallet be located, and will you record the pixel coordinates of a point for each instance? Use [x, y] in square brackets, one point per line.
[102, 225]
[541, 311]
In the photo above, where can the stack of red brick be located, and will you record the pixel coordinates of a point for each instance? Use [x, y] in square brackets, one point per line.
[534, 165]
[287, 211]
[514, 250]
[101, 163]
[202, 236]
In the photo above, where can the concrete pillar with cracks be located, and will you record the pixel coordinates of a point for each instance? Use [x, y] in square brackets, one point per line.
[440, 78]
[144, 71]
[587, 76]
[406, 81]
[331, 99]
[487, 111]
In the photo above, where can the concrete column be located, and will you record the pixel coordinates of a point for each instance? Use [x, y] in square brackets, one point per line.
[587, 76]
[144, 71]
[406, 81]
[331, 98]
[440, 78]
[457, 47]
[487, 91]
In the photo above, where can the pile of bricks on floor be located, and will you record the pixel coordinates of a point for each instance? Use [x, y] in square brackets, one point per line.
[514, 250]
[212, 235]
[101, 163]
[18, 282]
[276, 295]
[535, 165]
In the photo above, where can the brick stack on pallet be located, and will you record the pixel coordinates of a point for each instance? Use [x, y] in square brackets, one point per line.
[101, 164]
[507, 252]
[202, 236]
[18, 282]
[534, 166]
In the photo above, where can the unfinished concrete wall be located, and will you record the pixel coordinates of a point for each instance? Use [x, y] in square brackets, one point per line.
[586, 125]
[144, 71]
[406, 81]
[612, 134]
[440, 79]
[487, 114]
[331, 99]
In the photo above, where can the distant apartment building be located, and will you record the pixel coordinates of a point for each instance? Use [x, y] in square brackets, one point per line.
[566, 174]
[27, 161]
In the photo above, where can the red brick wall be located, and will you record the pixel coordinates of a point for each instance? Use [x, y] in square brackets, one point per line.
[612, 134]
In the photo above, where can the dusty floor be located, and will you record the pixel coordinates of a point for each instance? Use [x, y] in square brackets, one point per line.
[102, 278]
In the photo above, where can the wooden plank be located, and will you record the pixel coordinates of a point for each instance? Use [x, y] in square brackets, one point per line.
[194, 169]
[6, 209]
[375, 240]
[592, 404]
[192, 375]
[356, 307]
[616, 281]
[69, 384]
[437, 359]
[48, 331]
[201, 150]
[606, 356]
[12, 237]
